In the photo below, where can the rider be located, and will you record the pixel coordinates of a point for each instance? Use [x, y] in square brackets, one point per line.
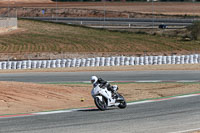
[103, 83]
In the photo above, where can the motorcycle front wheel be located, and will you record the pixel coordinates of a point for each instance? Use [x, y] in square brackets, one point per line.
[123, 103]
[101, 105]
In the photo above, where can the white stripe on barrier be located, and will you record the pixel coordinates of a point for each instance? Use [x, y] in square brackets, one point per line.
[48, 64]
[83, 61]
[97, 61]
[117, 61]
[68, 63]
[14, 65]
[44, 64]
[9, 65]
[28, 64]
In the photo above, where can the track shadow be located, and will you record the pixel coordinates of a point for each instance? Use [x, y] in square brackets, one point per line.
[89, 110]
[93, 110]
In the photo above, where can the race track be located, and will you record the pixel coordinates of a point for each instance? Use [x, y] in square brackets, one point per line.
[118, 22]
[109, 76]
[175, 115]
[157, 117]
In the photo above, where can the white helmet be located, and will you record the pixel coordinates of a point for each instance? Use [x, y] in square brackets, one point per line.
[115, 87]
[94, 79]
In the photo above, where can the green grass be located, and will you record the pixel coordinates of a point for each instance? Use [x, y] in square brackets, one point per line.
[49, 37]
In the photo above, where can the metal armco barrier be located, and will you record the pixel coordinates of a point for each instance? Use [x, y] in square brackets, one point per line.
[101, 61]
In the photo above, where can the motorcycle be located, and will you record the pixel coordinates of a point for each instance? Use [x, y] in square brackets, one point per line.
[103, 98]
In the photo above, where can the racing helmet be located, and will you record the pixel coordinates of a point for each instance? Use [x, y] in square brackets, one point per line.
[114, 87]
[94, 79]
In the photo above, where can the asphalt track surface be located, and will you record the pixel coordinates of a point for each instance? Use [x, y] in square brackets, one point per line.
[134, 22]
[157, 117]
[109, 76]
[168, 116]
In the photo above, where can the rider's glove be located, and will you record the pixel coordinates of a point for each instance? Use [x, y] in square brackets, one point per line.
[102, 86]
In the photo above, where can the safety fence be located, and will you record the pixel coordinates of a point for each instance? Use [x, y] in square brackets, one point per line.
[101, 61]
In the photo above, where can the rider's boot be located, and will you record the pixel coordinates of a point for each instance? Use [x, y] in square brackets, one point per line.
[115, 95]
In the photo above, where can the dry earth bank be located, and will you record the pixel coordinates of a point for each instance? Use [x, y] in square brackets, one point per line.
[145, 7]
[29, 97]
[167, 8]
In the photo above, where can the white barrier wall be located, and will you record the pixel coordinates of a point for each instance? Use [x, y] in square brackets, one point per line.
[101, 61]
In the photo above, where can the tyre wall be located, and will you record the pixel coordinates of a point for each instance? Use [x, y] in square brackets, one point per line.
[101, 61]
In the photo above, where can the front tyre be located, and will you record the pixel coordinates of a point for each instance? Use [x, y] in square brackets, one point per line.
[123, 103]
[101, 105]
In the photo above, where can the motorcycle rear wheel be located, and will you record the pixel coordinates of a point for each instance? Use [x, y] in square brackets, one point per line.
[101, 105]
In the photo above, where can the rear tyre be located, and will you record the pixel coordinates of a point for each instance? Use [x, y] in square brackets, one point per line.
[101, 105]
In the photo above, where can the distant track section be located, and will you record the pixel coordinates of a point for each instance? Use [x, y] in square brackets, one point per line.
[134, 22]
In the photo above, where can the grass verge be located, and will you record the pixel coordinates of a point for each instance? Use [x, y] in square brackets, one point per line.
[39, 36]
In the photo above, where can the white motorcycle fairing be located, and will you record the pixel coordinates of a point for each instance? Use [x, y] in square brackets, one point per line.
[104, 93]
